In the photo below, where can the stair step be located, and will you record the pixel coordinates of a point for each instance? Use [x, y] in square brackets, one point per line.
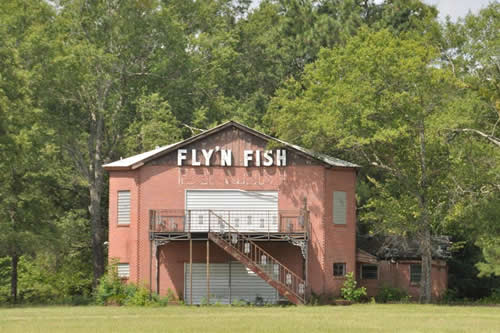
[282, 288]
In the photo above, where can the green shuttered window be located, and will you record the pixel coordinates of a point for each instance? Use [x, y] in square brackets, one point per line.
[339, 207]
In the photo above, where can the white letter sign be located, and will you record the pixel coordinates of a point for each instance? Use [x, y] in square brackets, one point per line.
[181, 156]
[207, 155]
[254, 158]
[281, 157]
[247, 157]
[268, 158]
[225, 156]
[194, 160]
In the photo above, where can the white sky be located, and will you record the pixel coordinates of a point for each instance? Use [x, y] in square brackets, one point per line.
[457, 8]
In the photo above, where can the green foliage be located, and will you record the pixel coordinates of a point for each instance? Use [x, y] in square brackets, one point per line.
[449, 296]
[321, 299]
[391, 294]
[493, 298]
[349, 290]
[112, 290]
[43, 281]
[155, 126]
[491, 253]
[89, 82]
[381, 100]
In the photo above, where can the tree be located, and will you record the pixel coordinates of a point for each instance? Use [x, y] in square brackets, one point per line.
[98, 59]
[154, 126]
[470, 49]
[381, 100]
[25, 210]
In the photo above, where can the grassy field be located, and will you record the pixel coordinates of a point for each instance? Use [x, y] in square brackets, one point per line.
[356, 318]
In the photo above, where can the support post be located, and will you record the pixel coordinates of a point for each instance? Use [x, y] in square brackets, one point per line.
[157, 268]
[151, 240]
[306, 257]
[190, 270]
[230, 285]
[208, 271]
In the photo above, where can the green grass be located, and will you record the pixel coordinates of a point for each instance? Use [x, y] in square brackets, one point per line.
[355, 318]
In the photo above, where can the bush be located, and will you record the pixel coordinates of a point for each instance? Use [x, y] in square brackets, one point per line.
[494, 298]
[112, 291]
[321, 299]
[449, 296]
[391, 294]
[349, 291]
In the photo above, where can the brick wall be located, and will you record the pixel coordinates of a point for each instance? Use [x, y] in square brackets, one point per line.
[397, 274]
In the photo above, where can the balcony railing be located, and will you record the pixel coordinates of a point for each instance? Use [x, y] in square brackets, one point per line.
[247, 221]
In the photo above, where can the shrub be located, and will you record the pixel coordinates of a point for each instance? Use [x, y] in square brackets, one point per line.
[321, 299]
[494, 298]
[391, 294]
[112, 291]
[349, 291]
[449, 296]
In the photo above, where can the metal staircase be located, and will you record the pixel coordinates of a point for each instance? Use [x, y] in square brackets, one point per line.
[255, 258]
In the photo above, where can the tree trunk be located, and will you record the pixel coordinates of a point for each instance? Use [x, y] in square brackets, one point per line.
[426, 280]
[96, 179]
[98, 234]
[13, 277]
[425, 226]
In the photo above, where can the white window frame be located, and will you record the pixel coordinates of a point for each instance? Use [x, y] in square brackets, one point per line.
[121, 222]
[126, 266]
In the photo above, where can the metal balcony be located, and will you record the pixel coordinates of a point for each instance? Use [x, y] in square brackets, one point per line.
[265, 224]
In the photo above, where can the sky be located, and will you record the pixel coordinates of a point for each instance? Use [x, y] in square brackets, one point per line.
[457, 8]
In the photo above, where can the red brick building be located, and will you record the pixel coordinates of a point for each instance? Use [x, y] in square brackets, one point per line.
[233, 214]
[395, 262]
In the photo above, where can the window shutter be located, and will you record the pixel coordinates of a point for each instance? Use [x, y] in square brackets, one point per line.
[339, 207]
[123, 270]
[123, 207]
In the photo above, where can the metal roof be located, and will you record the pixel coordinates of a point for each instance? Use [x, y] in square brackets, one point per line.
[139, 160]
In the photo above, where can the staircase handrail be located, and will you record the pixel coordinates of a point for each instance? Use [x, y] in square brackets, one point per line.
[260, 248]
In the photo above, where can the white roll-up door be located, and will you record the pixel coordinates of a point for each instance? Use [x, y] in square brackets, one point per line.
[227, 281]
[248, 211]
[219, 283]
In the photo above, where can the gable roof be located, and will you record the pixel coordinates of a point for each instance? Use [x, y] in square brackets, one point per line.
[136, 161]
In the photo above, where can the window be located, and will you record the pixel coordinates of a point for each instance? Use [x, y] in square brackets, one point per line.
[123, 270]
[339, 269]
[339, 207]
[123, 207]
[369, 272]
[415, 273]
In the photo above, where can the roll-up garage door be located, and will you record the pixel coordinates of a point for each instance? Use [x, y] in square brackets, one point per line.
[229, 282]
[247, 211]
